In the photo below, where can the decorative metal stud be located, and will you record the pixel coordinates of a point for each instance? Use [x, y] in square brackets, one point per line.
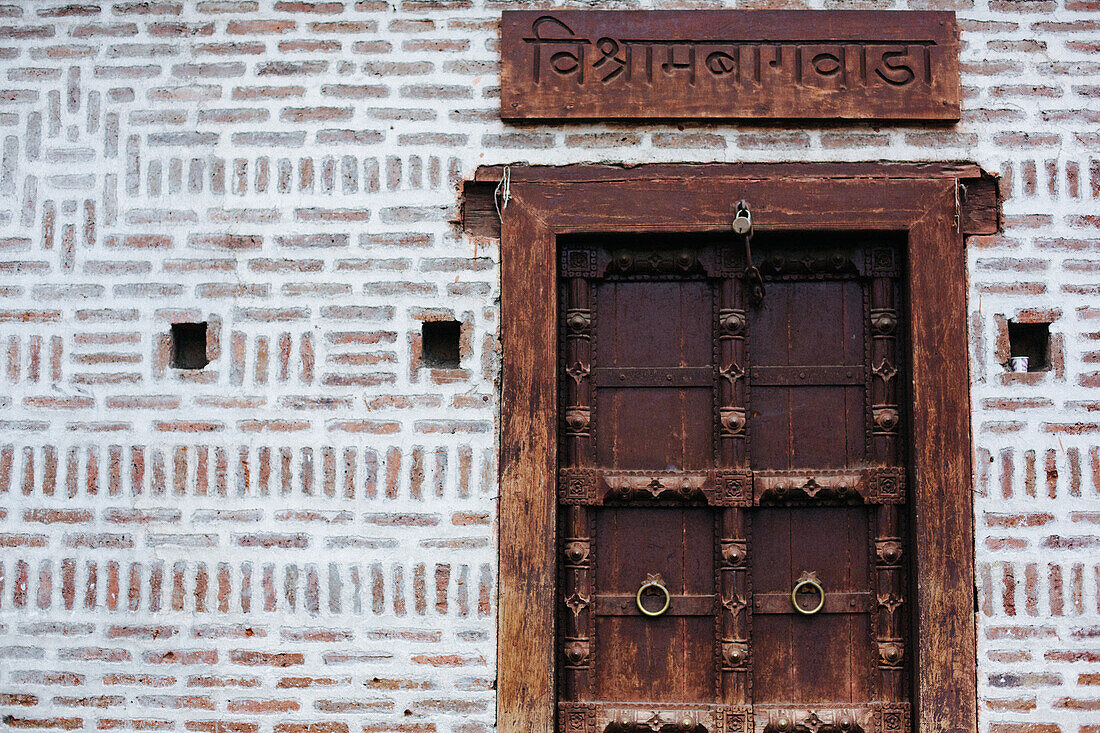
[733, 420]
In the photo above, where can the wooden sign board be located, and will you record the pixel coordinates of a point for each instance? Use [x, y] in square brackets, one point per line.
[729, 64]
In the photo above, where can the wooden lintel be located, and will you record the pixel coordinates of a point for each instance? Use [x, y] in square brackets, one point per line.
[979, 194]
[980, 205]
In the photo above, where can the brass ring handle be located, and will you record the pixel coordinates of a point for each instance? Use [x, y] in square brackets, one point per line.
[652, 583]
[808, 580]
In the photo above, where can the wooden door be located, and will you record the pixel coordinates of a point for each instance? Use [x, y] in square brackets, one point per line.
[731, 487]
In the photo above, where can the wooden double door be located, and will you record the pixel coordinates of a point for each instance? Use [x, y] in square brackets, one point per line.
[731, 488]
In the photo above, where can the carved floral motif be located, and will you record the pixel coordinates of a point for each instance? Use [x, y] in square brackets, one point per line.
[577, 486]
[732, 487]
[885, 371]
[890, 602]
[577, 717]
[886, 485]
[578, 262]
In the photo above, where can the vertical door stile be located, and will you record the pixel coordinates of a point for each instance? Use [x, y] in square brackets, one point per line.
[577, 541]
[890, 607]
[735, 677]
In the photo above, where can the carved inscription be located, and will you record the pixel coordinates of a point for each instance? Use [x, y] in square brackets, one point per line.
[729, 64]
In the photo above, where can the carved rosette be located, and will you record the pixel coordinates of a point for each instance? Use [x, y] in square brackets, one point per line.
[881, 262]
[888, 552]
[733, 719]
[886, 485]
[578, 262]
[732, 487]
[578, 486]
[578, 717]
[892, 718]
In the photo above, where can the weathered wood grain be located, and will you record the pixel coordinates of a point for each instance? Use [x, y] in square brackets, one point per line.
[525, 666]
[943, 529]
[980, 202]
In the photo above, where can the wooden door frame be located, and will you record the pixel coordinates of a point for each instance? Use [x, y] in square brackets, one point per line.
[919, 200]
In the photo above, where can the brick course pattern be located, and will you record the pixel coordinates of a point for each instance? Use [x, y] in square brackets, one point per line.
[300, 537]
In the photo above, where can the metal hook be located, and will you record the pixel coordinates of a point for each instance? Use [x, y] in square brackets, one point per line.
[742, 227]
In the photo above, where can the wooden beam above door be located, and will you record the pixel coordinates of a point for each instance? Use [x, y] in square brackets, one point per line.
[980, 198]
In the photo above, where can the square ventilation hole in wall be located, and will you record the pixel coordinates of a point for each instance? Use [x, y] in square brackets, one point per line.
[440, 343]
[189, 345]
[1031, 341]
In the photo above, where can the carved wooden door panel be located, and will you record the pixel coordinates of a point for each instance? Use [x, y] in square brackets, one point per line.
[731, 488]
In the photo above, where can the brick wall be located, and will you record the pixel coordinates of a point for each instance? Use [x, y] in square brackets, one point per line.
[299, 538]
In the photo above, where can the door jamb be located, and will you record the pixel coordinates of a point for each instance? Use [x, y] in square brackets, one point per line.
[548, 202]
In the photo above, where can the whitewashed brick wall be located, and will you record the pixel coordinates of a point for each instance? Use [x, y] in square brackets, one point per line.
[300, 538]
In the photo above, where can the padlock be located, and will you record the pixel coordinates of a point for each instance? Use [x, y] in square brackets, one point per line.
[742, 223]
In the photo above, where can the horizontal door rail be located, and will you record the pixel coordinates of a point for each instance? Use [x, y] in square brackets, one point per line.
[590, 486]
[624, 717]
[878, 485]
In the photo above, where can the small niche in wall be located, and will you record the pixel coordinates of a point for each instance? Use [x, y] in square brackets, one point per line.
[440, 343]
[189, 345]
[1030, 341]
